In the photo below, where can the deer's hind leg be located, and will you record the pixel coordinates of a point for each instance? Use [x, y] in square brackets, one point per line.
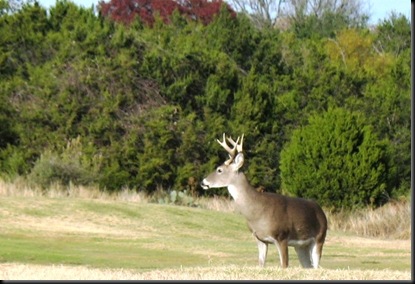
[304, 256]
[316, 249]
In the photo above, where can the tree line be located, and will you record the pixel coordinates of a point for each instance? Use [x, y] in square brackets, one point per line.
[90, 98]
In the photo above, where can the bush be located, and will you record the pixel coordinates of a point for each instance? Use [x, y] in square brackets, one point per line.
[182, 198]
[68, 167]
[337, 160]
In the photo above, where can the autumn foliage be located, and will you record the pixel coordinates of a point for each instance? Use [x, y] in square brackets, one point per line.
[126, 10]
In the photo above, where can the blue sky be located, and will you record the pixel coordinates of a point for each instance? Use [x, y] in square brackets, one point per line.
[378, 9]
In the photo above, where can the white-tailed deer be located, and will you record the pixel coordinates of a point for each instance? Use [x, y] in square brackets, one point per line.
[272, 218]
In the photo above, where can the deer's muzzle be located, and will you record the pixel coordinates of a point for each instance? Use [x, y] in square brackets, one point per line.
[204, 184]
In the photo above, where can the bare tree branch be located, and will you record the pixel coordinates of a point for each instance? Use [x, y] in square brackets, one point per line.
[269, 12]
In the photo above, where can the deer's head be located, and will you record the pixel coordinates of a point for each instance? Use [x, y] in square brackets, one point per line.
[225, 173]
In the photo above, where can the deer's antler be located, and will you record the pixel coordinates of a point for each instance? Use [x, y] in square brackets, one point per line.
[235, 143]
[236, 147]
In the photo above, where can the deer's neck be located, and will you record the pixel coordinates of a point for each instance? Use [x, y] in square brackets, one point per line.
[241, 190]
[249, 202]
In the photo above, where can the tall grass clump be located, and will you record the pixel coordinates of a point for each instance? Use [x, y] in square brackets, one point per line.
[21, 187]
[393, 220]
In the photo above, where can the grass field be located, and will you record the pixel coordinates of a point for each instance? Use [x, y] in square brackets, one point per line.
[83, 238]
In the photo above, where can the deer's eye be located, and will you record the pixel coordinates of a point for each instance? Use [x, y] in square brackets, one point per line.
[219, 170]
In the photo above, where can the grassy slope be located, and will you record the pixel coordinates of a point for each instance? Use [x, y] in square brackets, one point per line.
[148, 237]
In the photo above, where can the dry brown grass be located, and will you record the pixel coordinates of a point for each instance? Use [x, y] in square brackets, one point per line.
[14, 271]
[392, 220]
[21, 188]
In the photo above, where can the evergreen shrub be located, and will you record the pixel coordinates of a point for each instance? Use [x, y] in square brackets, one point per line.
[337, 160]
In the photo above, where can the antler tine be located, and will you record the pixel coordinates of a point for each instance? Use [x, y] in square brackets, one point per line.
[231, 152]
[239, 147]
[236, 144]
[225, 145]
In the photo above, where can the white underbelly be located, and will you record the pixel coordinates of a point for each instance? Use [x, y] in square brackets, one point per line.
[291, 243]
[301, 243]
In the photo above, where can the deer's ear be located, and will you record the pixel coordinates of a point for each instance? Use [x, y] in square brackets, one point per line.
[239, 161]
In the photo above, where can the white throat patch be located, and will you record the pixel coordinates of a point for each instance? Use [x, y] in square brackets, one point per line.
[233, 191]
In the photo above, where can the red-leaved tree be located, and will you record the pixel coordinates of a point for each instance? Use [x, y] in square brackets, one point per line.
[125, 11]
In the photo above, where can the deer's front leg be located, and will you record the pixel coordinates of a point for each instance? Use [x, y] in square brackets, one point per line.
[262, 252]
[282, 247]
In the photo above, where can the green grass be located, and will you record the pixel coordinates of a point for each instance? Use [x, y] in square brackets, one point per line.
[142, 236]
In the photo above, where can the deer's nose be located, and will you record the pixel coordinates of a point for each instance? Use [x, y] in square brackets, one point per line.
[204, 184]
